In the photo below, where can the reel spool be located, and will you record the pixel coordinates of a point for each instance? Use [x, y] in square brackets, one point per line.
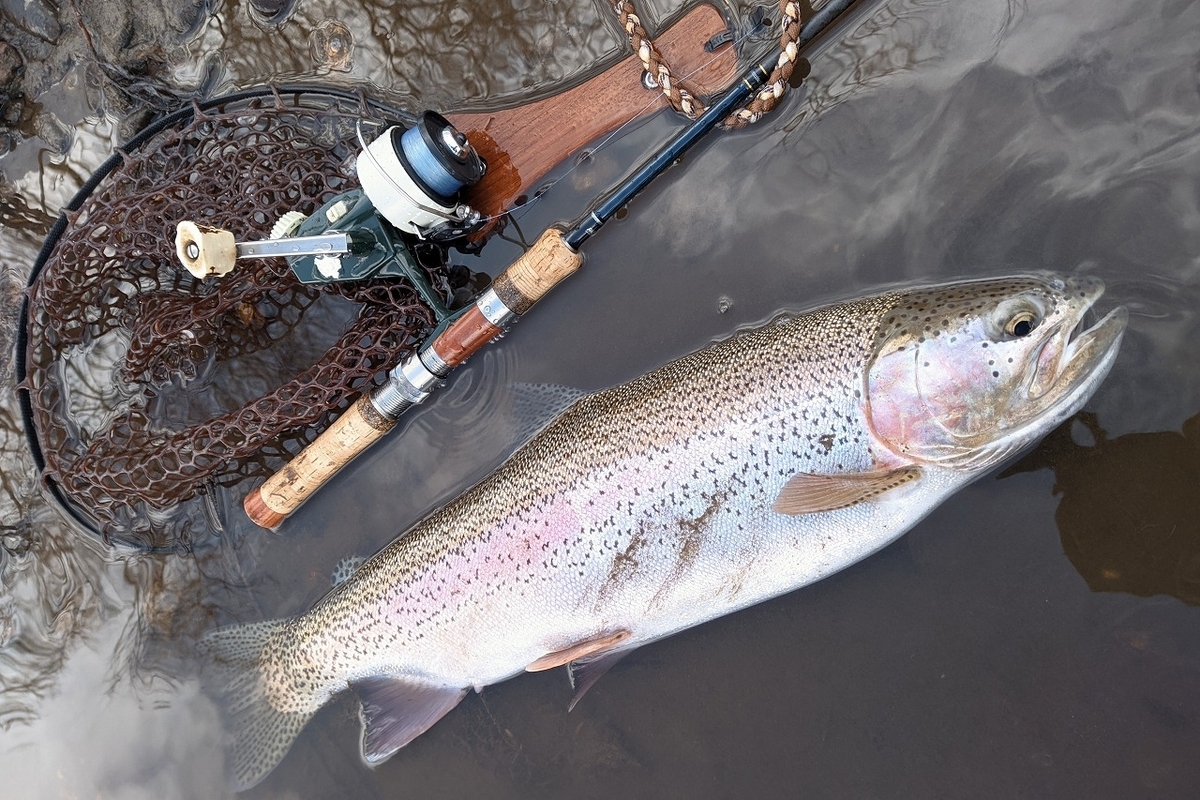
[414, 178]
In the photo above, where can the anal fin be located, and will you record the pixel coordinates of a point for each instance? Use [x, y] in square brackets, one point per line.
[396, 710]
[809, 494]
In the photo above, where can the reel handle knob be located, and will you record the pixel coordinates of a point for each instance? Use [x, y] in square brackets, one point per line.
[204, 250]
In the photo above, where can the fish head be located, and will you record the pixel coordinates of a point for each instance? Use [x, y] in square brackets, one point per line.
[965, 375]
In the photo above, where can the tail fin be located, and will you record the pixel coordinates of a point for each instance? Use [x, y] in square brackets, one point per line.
[261, 735]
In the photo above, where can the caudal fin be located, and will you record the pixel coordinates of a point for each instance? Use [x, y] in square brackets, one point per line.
[261, 734]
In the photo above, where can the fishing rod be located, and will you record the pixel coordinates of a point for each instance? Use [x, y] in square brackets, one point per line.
[552, 258]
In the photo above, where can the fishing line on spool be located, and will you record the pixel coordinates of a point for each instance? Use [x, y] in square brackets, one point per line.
[421, 156]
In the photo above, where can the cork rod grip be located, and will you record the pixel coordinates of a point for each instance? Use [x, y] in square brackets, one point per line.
[521, 285]
[349, 435]
[535, 273]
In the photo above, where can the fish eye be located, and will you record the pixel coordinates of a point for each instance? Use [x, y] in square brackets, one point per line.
[1021, 324]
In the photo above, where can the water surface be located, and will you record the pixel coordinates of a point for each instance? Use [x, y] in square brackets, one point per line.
[1008, 646]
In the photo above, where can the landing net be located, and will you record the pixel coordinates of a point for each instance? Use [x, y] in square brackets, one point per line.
[147, 392]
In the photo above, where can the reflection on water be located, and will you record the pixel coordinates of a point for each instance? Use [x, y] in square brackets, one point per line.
[54, 594]
[1129, 516]
[434, 53]
[935, 139]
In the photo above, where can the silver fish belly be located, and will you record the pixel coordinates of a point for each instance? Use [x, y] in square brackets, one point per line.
[738, 473]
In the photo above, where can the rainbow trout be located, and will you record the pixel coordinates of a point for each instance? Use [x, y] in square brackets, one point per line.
[750, 468]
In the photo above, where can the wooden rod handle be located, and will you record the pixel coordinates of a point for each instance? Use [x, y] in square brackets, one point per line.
[534, 274]
[349, 435]
[465, 336]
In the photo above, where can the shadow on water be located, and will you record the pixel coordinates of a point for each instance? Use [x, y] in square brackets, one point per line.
[1129, 513]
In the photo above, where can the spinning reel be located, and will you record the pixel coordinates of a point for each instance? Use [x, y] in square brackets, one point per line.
[412, 181]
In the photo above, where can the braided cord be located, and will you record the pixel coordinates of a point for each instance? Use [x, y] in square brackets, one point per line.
[683, 98]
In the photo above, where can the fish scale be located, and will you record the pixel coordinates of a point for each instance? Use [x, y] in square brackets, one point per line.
[745, 470]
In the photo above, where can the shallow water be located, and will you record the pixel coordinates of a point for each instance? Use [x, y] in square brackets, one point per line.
[1036, 636]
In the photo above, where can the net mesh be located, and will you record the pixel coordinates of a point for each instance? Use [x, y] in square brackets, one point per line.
[152, 391]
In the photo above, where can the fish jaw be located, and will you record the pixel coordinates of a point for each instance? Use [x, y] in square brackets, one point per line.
[1086, 360]
[971, 376]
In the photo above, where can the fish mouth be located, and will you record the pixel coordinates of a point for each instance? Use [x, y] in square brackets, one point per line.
[1075, 358]
[1087, 348]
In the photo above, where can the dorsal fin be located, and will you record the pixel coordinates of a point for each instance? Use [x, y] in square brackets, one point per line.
[534, 405]
[809, 494]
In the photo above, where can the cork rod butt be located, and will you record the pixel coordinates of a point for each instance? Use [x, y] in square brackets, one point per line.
[260, 513]
[285, 491]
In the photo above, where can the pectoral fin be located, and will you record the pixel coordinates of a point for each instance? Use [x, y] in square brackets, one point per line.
[579, 650]
[809, 494]
[395, 711]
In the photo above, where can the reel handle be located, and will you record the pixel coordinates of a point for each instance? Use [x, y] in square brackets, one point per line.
[513, 292]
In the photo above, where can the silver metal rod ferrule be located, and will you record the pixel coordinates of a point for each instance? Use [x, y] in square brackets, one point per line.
[415, 373]
[389, 402]
[494, 310]
[407, 385]
[434, 363]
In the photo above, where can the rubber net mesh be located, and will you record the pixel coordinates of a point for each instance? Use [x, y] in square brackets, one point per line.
[150, 390]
